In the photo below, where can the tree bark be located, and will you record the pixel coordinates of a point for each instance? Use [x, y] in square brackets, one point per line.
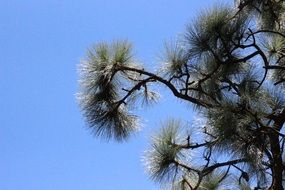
[277, 165]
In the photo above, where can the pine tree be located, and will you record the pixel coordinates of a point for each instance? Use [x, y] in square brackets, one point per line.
[230, 65]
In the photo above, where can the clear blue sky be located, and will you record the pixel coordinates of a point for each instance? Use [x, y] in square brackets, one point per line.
[43, 142]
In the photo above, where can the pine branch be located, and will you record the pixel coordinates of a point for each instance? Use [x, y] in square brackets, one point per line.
[169, 85]
[211, 168]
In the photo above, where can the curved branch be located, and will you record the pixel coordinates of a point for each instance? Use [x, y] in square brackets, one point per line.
[267, 31]
[217, 165]
[136, 87]
[169, 85]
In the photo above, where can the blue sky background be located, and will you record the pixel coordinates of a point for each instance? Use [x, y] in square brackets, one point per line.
[43, 142]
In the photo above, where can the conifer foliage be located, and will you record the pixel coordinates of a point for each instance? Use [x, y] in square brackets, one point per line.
[230, 65]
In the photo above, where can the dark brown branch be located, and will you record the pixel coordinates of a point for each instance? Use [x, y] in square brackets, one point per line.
[267, 31]
[274, 67]
[232, 84]
[136, 87]
[225, 175]
[197, 145]
[186, 167]
[169, 85]
[280, 81]
[277, 163]
[218, 165]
